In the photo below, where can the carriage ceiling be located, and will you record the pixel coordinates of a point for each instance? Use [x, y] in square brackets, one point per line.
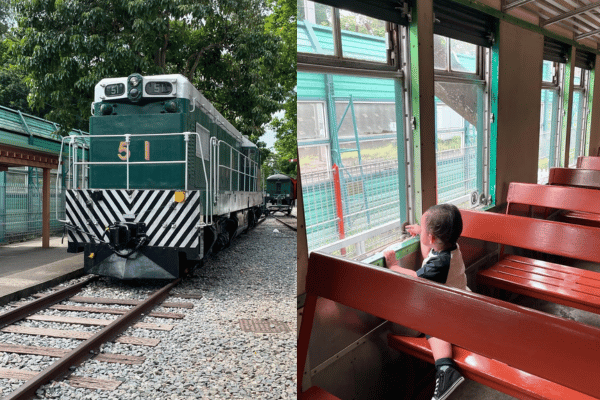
[578, 20]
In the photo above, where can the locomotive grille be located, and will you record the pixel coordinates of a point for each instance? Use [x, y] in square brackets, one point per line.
[169, 224]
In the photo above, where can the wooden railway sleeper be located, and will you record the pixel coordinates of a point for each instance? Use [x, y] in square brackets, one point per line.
[90, 347]
[33, 307]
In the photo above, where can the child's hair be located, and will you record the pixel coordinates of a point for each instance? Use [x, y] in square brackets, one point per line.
[444, 223]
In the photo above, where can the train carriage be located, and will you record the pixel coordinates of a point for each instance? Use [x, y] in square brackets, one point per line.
[280, 193]
[491, 106]
[170, 179]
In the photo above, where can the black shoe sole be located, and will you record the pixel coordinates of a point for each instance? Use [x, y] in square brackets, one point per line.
[451, 389]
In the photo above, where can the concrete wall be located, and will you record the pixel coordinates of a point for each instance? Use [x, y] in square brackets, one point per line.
[519, 92]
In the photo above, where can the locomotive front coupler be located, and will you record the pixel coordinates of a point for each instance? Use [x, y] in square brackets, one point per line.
[125, 238]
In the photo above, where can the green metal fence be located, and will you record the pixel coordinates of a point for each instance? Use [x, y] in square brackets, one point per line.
[21, 205]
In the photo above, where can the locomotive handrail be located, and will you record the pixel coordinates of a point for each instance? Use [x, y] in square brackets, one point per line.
[73, 141]
[211, 178]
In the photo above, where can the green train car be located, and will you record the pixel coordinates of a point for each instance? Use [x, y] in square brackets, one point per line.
[280, 193]
[170, 180]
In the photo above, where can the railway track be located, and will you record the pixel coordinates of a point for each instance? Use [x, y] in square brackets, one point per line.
[67, 360]
[292, 226]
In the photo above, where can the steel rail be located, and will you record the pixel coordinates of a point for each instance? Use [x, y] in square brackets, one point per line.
[26, 310]
[288, 225]
[89, 347]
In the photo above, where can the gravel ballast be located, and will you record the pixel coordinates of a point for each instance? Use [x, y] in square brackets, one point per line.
[206, 355]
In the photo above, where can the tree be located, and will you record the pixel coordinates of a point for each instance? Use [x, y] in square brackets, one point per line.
[283, 21]
[6, 17]
[221, 46]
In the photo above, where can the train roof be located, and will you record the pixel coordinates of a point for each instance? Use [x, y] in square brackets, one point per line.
[183, 89]
[278, 176]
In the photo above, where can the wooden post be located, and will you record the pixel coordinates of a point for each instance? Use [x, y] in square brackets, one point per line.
[46, 209]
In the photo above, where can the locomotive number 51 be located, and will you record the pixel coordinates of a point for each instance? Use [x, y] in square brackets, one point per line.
[123, 148]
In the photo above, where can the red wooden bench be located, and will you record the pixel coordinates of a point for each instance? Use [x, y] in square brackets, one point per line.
[585, 178]
[557, 283]
[588, 162]
[583, 204]
[519, 351]
[588, 178]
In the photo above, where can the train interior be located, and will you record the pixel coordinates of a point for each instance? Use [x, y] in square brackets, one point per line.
[491, 106]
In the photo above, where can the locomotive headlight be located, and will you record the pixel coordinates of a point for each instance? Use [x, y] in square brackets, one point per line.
[106, 109]
[134, 87]
[171, 106]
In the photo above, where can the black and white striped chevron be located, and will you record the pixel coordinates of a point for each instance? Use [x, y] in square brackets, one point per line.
[168, 224]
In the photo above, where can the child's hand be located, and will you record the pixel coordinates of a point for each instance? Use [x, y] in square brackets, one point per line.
[390, 258]
[414, 230]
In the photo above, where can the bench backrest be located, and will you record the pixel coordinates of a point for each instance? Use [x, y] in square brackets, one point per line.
[574, 241]
[575, 177]
[561, 197]
[557, 349]
[588, 162]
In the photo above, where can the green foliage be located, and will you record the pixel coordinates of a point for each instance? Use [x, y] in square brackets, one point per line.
[363, 24]
[221, 46]
[283, 23]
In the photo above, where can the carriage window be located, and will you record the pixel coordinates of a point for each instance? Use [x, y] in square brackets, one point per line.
[325, 30]
[548, 124]
[355, 164]
[551, 103]
[453, 55]
[363, 38]
[461, 123]
[579, 116]
[314, 28]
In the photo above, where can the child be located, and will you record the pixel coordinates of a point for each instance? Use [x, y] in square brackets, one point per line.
[443, 263]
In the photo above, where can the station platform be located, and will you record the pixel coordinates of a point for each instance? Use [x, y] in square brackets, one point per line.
[26, 267]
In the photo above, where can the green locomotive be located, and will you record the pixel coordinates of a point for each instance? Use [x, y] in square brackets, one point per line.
[170, 180]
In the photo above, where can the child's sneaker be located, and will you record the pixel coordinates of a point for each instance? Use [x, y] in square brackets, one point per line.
[446, 381]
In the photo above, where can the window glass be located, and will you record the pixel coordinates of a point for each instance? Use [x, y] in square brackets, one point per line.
[314, 158]
[314, 28]
[371, 151]
[369, 186]
[548, 123]
[459, 127]
[577, 77]
[547, 71]
[576, 128]
[311, 120]
[463, 56]
[371, 118]
[440, 52]
[363, 37]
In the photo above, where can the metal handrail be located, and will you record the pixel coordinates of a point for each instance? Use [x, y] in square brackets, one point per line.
[74, 146]
[250, 167]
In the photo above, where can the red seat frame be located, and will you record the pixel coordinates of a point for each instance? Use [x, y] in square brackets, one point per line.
[555, 349]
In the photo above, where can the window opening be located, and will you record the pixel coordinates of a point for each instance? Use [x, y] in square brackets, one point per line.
[551, 103]
[461, 122]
